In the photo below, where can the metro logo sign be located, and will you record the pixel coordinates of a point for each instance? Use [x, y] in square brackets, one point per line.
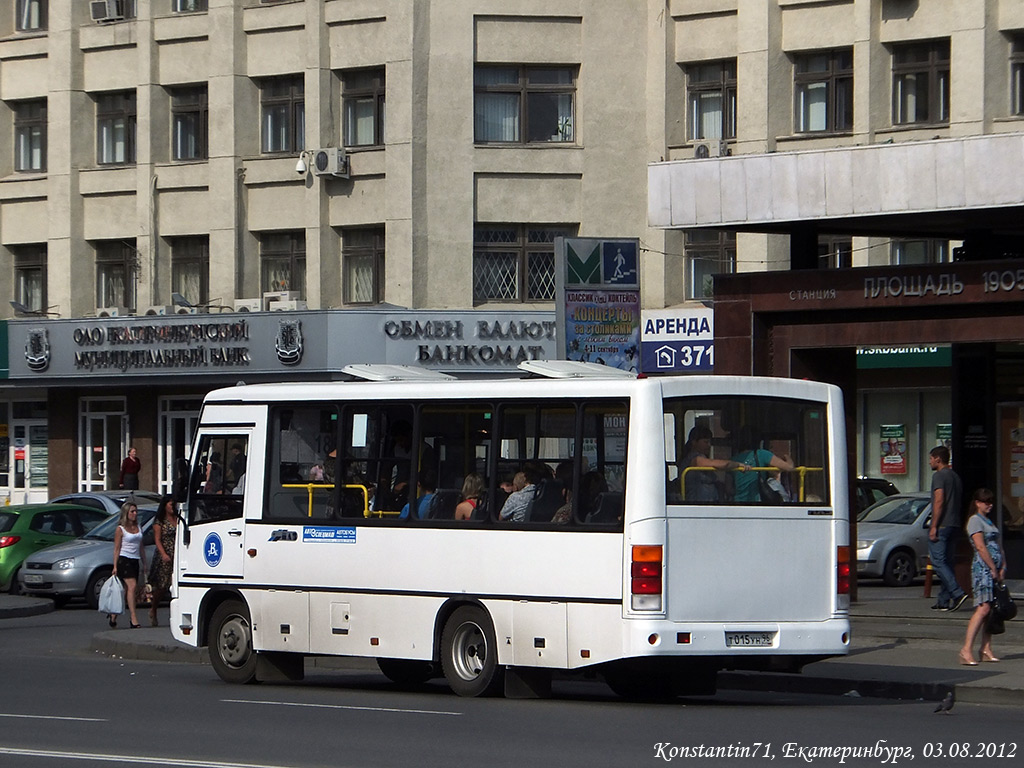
[582, 271]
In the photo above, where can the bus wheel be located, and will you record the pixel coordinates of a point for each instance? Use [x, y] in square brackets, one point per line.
[406, 671]
[469, 654]
[230, 643]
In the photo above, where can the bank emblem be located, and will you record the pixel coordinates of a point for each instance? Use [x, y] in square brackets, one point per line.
[289, 342]
[37, 350]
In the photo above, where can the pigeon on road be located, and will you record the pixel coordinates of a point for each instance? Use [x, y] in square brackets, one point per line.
[946, 704]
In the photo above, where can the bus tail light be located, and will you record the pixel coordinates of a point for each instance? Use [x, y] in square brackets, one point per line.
[646, 578]
[842, 570]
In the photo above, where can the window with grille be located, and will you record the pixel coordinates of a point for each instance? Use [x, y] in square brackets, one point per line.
[282, 103]
[30, 15]
[835, 252]
[920, 83]
[190, 123]
[919, 251]
[362, 96]
[823, 95]
[283, 262]
[362, 253]
[116, 273]
[1017, 75]
[115, 128]
[515, 262]
[30, 276]
[30, 136]
[190, 268]
[709, 252]
[516, 104]
[711, 95]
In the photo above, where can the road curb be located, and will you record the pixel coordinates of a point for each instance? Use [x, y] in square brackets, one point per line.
[141, 645]
[26, 606]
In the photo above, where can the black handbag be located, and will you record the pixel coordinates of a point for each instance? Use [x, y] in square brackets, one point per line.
[1002, 603]
[994, 623]
[768, 494]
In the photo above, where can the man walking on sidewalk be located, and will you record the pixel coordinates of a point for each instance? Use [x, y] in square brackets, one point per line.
[947, 498]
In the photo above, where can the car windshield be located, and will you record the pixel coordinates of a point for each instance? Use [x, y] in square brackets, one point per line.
[139, 497]
[898, 511]
[7, 521]
[105, 530]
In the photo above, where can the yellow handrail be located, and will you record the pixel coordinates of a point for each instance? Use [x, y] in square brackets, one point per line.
[310, 487]
[801, 470]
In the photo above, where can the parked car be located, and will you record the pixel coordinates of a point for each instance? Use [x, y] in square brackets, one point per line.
[892, 538]
[79, 568]
[110, 501]
[27, 528]
[871, 490]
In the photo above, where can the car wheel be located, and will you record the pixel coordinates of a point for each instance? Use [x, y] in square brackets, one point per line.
[92, 589]
[469, 653]
[899, 569]
[14, 588]
[230, 643]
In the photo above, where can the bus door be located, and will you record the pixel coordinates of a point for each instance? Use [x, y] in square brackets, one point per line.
[215, 512]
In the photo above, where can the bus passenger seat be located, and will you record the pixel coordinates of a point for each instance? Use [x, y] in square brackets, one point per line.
[443, 504]
[609, 508]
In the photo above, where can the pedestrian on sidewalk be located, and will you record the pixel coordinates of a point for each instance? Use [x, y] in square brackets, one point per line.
[944, 535]
[987, 567]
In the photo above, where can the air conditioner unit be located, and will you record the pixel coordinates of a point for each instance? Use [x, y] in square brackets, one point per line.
[106, 10]
[705, 149]
[270, 296]
[186, 310]
[160, 309]
[330, 161]
[287, 306]
[248, 305]
[112, 311]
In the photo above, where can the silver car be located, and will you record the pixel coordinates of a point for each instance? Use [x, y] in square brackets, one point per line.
[892, 538]
[109, 501]
[79, 568]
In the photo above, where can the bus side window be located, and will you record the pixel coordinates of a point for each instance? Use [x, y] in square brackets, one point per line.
[301, 465]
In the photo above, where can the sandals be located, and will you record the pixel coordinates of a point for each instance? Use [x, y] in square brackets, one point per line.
[987, 656]
[136, 626]
[966, 660]
[112, 620]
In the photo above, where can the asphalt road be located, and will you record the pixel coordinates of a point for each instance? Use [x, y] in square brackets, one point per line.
[63, 705]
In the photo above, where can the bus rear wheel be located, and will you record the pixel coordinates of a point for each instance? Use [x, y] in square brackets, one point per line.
[230, 643]
[469, 653]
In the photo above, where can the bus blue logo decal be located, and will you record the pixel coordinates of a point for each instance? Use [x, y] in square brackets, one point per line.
[213, 550]
[329, 534]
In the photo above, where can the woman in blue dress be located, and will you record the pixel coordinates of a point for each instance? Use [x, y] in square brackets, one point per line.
[988, 566]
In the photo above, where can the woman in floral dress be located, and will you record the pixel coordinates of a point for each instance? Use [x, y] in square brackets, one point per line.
[165, 528]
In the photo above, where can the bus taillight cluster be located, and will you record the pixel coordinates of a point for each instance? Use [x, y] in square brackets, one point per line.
[646, 578]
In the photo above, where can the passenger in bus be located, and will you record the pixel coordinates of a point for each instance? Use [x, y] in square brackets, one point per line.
[592, 485]
[518, 481]
[563, 473]
[703, 484]
[518, 503]
[752, 455]
[425, 487]
[473, 489]
[236, 464]
[214, 475]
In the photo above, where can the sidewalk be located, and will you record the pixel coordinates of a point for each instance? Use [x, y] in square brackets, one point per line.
[901, 649]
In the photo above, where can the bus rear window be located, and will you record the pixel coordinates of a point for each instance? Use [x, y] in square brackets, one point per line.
[746, 450]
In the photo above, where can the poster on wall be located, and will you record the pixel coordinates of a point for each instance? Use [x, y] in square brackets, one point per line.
[1011, 476]
[944, 436]
[893, 449]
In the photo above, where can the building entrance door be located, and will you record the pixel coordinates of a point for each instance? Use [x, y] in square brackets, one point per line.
[103, 443]
[29, 457]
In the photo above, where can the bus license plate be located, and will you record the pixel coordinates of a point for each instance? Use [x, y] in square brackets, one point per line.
[749, 639]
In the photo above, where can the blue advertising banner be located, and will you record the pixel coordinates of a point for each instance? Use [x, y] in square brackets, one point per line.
[677, 341]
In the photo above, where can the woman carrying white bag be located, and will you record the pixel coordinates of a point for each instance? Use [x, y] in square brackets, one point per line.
[129, 562]
[112, 599]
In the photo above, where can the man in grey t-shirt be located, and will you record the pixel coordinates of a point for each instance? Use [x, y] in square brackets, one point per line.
[947, 504]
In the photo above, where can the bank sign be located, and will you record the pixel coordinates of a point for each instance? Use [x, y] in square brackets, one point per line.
[677, 341]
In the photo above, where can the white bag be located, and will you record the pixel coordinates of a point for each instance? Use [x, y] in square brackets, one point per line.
[112, 596]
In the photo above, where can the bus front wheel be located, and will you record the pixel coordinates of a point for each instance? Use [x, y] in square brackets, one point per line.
[469, 654]
[230, 643]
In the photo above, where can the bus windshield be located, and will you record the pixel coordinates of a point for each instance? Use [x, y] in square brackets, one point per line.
[745, 450]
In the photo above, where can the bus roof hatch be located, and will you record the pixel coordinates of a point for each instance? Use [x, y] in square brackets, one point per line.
[382, 372]
[573, 369]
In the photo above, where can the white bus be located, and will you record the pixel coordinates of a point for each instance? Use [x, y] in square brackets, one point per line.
[296, 543]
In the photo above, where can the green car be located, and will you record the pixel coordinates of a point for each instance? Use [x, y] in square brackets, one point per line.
[27, 528]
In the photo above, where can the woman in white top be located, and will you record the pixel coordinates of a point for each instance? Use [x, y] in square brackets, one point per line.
[129, 558]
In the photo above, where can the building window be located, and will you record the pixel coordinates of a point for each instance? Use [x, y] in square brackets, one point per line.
[711, 94]
[362, 95]
[30, 277]
[710, 252]
[824, 91]
[188, 6]
[30, 136]
[190, 121]
[283, 262]
[525, 104]
[30, 15]
[362, 252]
[920, 83]
[514, 262]
[1017, 75]
[835, 252]
[115, 128]
[919, 251]
[116, 272]
[190, 269]
[284, 115]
